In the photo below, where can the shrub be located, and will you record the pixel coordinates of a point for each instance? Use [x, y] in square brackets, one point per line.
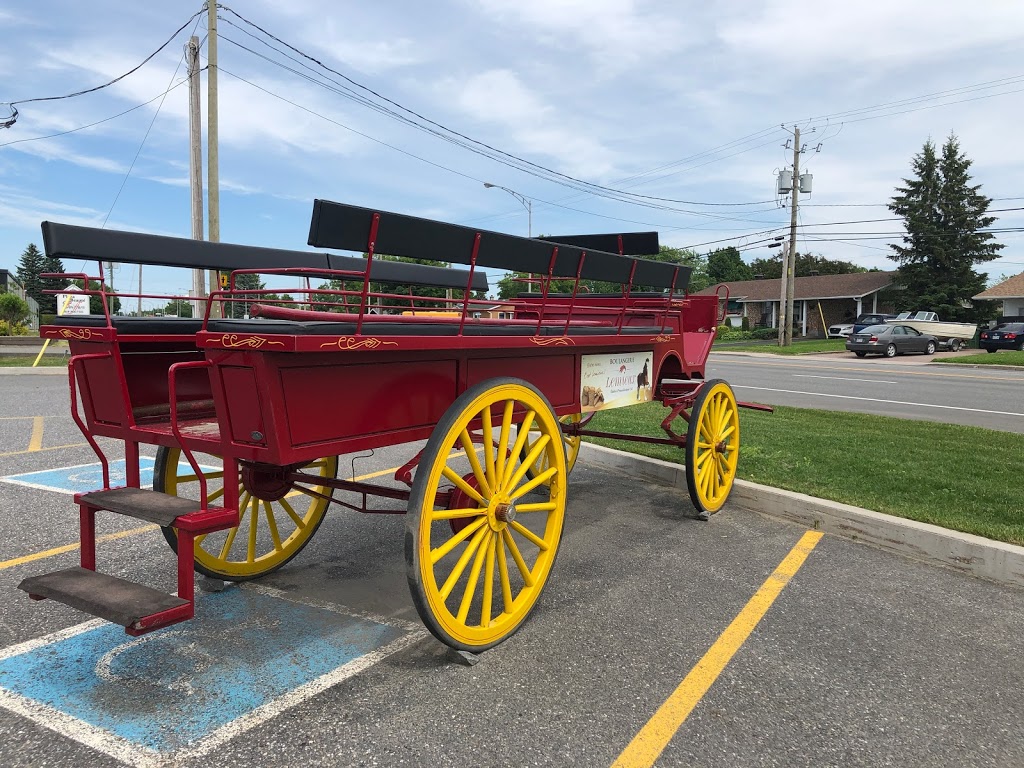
[745, 323]
[765, 333]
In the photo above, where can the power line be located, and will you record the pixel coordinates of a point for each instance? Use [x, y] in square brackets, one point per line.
[8, 122]
[98, 122]
[474, 145]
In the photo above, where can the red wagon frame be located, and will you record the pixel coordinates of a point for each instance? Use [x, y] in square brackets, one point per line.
[499, 402]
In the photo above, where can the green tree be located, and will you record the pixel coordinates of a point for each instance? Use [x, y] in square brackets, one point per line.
[944, 216]
[96, 302]
[399, 292]
[178, 308]
[30, 266]
[509, 288]
[51, 265]
[805, 264]
[13, 311]
[726, 266]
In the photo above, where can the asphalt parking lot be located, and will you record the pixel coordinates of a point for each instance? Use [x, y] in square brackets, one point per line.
[862, 657]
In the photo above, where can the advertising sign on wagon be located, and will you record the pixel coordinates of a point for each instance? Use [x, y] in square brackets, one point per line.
[615, 380]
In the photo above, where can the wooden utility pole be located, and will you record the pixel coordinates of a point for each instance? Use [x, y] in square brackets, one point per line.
[195, 168]
[790, 265]
[212, 171]
[783, 285]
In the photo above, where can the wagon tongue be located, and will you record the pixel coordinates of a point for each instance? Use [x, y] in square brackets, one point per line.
[138, 608]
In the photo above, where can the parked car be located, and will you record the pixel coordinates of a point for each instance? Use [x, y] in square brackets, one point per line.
[841, 331]
[863, 321]
[890, 340]
[1003, 336]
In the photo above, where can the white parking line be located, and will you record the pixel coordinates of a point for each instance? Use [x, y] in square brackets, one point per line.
[840, 378]
[879, 400]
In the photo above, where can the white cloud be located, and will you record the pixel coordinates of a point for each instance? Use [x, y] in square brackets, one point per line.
[528, 124]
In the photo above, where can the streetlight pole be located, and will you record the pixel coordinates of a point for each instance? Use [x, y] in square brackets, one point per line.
[528, 205]
[524, 201]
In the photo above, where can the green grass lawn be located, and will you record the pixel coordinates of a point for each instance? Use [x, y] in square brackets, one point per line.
[1002, 357]
[25, 361]
[963, 478]
[798, 347]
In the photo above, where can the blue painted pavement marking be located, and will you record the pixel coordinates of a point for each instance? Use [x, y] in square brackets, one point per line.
[170, 689]
[89, 477]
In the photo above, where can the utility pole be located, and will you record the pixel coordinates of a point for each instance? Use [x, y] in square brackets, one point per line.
[212, 170]
[783, 290]
[790, 268]
[195, 167]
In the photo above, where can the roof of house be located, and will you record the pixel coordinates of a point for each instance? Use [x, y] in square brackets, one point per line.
[854, 285]
[1008, 289]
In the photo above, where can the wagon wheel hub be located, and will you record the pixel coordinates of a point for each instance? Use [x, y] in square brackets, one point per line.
[505, 513]
[720, 446]
[267, 481]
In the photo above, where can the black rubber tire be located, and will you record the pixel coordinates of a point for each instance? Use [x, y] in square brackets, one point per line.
[890, 351]
[954, 345]
[861, 354]
[930, 349]
[991, 350]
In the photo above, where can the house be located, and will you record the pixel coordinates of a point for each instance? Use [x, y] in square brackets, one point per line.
[1010, 293]
[818, 300]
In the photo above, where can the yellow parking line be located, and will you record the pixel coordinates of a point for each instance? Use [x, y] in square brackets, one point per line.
[648, 744]
[72, 547]
[36, 441]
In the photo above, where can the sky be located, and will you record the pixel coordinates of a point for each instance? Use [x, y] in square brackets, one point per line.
[681, 111]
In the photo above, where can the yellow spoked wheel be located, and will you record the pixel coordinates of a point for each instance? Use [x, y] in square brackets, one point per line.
[712, 446]
[278, 518]
[474, 583]
[571, 444]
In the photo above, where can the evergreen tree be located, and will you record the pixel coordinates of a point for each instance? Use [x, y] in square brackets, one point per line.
[943, 216]
[726, 266]
[51, 265]
[30, 266]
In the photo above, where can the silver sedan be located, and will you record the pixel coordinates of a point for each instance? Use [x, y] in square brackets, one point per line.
[890, 340]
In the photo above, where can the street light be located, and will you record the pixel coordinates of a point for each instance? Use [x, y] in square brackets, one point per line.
[524, 201]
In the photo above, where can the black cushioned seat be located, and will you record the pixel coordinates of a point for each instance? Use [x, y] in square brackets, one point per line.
[134, 325]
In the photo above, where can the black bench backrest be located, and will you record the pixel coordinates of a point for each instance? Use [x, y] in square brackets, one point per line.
[633, 243]
[92, 244]
[348, 227]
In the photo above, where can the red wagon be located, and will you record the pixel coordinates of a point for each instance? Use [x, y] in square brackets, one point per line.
[249, 412]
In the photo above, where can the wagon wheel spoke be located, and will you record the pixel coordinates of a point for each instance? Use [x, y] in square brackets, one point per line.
[461, 556]
[570, 443]
[291, 513]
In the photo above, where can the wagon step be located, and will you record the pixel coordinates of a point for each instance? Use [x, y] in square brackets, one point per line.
[160, 508]
[136, 607]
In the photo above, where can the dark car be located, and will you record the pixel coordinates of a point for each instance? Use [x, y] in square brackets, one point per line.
[890, 340]
[1003, 336]
[863, 321]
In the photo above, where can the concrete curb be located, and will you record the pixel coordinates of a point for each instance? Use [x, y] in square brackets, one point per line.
[49, 370]
[978, 556]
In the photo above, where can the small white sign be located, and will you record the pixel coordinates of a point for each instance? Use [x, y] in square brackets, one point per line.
[72, 303]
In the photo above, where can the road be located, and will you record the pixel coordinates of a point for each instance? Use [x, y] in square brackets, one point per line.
[865, 658]
[906, 387]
